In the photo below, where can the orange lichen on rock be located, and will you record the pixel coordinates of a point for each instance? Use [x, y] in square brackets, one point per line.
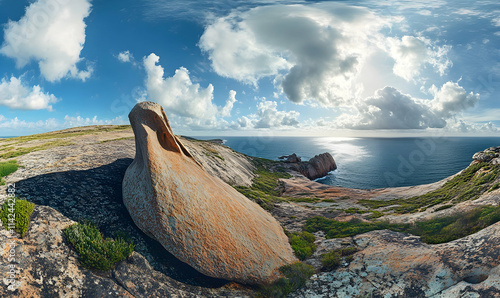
[197, 217]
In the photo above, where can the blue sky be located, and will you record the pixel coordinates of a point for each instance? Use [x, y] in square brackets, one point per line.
[332, 68]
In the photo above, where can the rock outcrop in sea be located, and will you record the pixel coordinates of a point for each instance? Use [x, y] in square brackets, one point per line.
[197, 217]
[317, 167]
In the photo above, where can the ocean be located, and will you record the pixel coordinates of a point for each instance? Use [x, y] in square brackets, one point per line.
[369, 163]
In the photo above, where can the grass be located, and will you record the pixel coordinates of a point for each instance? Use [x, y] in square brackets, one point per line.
[302, 244]
[264, 190]
[15, 214]
[468, 185]
[438, 230]
[353, 210]
[118, 139]
[294, 277]
[7, 168]
[495, 186]
[94, 251]
[443, 207]
[25, 150]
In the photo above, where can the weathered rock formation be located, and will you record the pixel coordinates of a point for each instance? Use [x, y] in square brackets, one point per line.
[392, 264]
[293, 158]
[487, 155]
[195, 216]
[317, 167]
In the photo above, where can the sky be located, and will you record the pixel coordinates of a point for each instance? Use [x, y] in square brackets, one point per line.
[235, 68]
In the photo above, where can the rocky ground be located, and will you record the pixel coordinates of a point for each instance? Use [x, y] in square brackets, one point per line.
[77, 173]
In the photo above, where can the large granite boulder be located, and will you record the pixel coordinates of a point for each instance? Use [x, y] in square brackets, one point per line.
[318, 166]
[197, 217]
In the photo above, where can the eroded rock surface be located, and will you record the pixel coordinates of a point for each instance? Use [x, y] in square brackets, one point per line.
[195, 216]
[391, 264]
[317, 167]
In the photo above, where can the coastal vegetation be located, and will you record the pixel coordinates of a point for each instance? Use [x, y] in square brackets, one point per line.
[15, 152]
[95, 252]
[468, 185]
[17, 211]
[265, 185]
[333, 258]
[433, 231]
[302, 244]
[7, 168]
[294, 277]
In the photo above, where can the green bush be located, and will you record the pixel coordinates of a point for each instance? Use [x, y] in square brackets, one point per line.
[302, 244]
[295, 277]
[94, 251]
[17, 211]
[7, 168]
[331, 260]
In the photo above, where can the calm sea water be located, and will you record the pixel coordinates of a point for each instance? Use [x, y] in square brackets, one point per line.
[373, 162]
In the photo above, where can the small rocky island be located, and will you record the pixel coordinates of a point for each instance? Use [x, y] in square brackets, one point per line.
[435, 240]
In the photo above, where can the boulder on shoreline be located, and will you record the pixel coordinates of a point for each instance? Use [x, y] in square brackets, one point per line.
[197, 217]
[317, 167]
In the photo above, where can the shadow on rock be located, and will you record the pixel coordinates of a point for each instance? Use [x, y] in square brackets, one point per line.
[96, 194]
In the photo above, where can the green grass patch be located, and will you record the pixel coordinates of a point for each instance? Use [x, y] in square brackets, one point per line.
[7, 168]
[438, 230]
[302, 244]
[468, 185]
[344, 198]
[495, 186]
[25, 150]
[118, 139]
[443, 207]
[294, 277]
[265, 186]
[353, 210]
[16, 214]
[329, 200]
[95, 252]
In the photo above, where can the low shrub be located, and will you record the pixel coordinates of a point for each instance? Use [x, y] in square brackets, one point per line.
[94, 251]
[18, 212]
[294, 277]
[302, 244]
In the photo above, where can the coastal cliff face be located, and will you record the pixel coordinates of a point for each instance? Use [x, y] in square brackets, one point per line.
[77, 173]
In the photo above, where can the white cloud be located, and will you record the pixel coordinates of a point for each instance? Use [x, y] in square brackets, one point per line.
[189, 104]
[16, 95]
[324, 64]
[466, 127]
[451, 99]
[496, 22]
[268, 116]
[391, 109]
[425, 12]
[411, 53]
[225, 111]
[125, 57]
[52, 32]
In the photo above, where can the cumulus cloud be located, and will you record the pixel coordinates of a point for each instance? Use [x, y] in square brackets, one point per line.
[52, 32]
[411, 53]
[125, 57]
[225, 111]
[451, 99]
[16, 95]
[324, 64]
[391, 109]
[73, 121]
[182, 98]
